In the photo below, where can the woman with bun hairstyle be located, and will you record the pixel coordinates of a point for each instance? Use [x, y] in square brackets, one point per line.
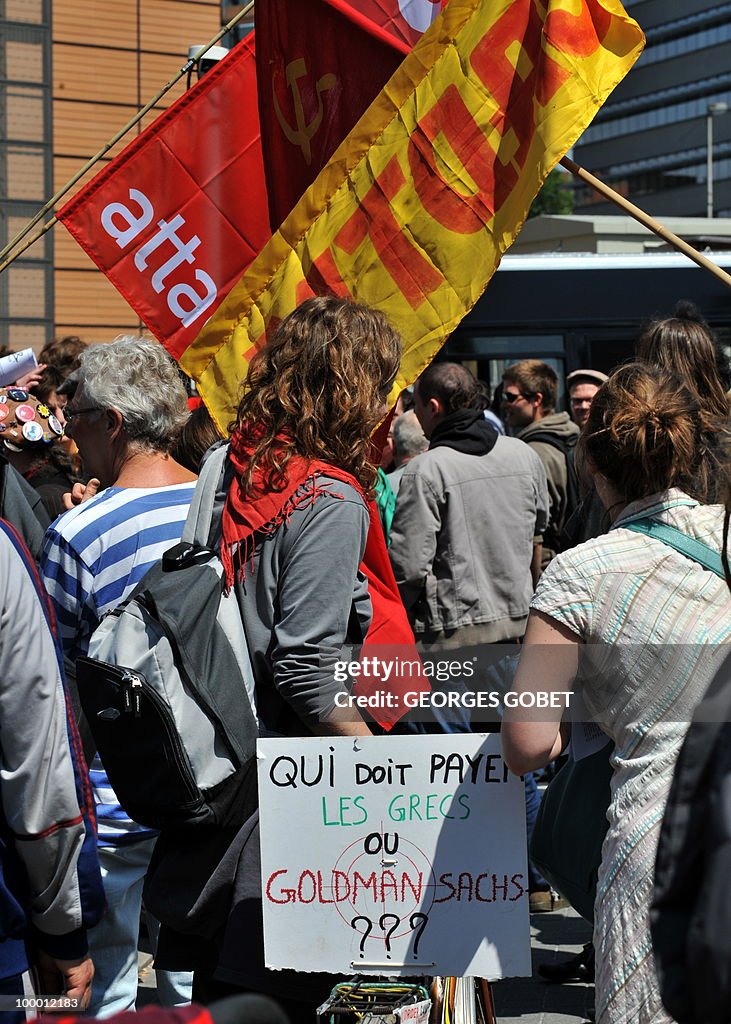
[636, 626]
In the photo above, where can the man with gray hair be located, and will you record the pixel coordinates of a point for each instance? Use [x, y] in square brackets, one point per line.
[408, 441]
[124, 417]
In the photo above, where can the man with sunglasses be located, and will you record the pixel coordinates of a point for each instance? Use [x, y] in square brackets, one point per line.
[530, 390]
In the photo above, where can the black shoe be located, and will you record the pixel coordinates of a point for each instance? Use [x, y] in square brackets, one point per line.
[578, 968]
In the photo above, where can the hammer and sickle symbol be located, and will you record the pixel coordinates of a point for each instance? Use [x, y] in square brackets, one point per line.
[304, 130]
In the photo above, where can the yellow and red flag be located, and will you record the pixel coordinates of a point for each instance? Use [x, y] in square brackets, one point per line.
[416, 207]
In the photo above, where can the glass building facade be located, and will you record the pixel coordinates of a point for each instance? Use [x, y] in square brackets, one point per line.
[649, 140]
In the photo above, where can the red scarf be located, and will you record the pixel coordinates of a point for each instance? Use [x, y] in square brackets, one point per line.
[263, 511]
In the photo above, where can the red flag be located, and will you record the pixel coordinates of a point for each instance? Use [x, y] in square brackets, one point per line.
[177, 217]
[175, 220]
[319, 66]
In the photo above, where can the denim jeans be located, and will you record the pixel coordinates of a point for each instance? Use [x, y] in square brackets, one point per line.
[113, 943]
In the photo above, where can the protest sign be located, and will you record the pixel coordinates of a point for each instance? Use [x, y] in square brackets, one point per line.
[17, 364]
[393, 855]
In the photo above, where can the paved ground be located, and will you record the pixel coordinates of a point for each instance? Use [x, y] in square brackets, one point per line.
[517, 1000]
[146, 991]
[530, 1000]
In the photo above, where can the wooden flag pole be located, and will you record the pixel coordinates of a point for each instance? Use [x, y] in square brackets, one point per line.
[644, 218]
[190, 63]
[28, 241]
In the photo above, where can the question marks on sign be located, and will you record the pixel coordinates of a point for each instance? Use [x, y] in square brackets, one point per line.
[366, 933]
[418, 923]
[387, 934]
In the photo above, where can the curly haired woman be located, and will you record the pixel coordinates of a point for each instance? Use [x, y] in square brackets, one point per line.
[294, 530]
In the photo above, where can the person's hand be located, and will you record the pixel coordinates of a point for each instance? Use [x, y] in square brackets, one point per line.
[80, 493]
[29, 380]
[71, 978]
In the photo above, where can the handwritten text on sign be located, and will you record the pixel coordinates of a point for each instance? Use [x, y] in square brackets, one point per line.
[391, 855]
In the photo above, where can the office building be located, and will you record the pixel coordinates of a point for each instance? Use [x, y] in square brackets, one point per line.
[650, 139]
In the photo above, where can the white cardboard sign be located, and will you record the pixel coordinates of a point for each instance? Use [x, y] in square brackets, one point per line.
[17, 364]
[393, 855]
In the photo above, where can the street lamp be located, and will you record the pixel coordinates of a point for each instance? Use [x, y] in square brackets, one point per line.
[713, 110]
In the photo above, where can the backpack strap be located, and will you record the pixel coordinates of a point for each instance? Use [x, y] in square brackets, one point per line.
[555, 538]
[197, 529]
[3, 485]
[694, 549]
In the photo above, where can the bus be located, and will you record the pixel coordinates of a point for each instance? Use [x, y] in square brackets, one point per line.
[582, 310]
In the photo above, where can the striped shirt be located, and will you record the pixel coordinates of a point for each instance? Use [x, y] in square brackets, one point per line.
[93, 557]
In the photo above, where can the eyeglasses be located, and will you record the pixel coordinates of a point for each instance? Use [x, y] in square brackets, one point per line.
[70, 414]
[513, 396]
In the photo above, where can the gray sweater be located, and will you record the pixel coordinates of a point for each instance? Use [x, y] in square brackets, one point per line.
[301, 603]
[554, 463]
[23, 508]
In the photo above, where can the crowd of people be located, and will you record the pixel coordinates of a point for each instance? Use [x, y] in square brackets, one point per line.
[590, 542]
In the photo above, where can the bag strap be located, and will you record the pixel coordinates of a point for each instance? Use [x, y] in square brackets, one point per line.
[694, 549]
[197, 529]
[3, 484]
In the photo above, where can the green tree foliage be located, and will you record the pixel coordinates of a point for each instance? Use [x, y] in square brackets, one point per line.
[556, 196]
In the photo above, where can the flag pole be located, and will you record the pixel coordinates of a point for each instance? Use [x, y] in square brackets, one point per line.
[649, 222]
[189, 64]
[28, 242]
